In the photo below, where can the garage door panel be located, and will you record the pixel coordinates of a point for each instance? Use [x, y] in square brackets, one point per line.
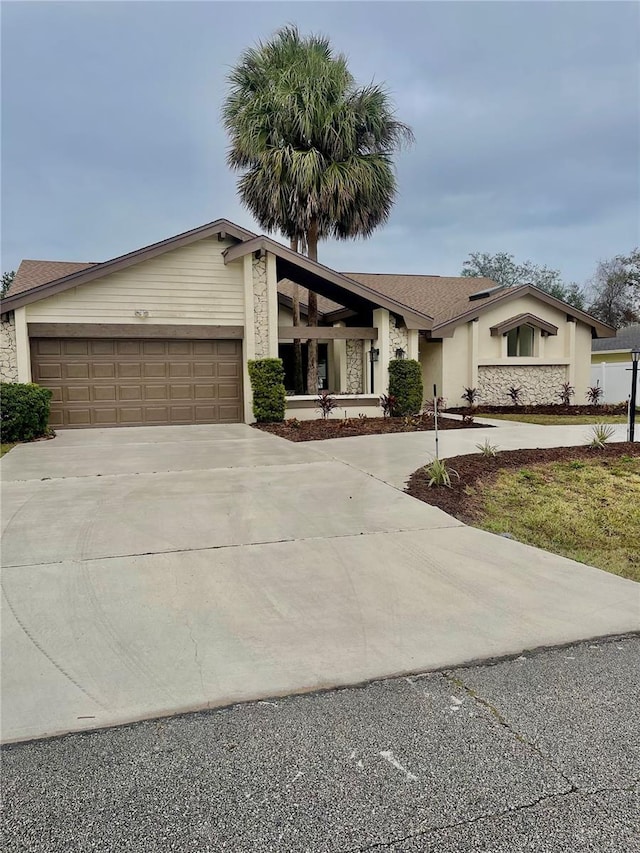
[225, 348]
[205, 392]
[180, 369]
[155, 392]
[77, 394]
[77, 417]
[47, 346]
[228, 370]
[155, 370]
[128, 348]
[75, 370]
[227, 392]
[229, 414]
[131, 415]
[129, 370]
[103, 370]
[101, 347]
[181, 392]
[121, 382]
[154, 348]
[75, 347]
[106, 393]
[48, 371]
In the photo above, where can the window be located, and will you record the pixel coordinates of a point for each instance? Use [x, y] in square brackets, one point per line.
[520, 341]
[285, 351]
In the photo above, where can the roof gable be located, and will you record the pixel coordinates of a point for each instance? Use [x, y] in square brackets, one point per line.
[90, 272]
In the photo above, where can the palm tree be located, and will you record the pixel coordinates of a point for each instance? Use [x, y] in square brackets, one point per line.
[315, 151]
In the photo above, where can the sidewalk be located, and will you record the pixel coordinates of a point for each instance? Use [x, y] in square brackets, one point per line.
[395, 456]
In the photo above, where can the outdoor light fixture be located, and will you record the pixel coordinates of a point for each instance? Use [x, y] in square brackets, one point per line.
[141, 312]
[400, 353]
[374, 354]
[635, 358]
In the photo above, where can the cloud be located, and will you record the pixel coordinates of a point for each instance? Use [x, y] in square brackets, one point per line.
[525, 117]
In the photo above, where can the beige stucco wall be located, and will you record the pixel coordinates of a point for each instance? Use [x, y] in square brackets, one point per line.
[8, 355]
[430, 357]
[190, 285]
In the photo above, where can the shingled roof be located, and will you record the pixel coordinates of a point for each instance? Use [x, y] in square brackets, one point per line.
[440, 302]
[442, 297]
[34, 273]
[626, 339]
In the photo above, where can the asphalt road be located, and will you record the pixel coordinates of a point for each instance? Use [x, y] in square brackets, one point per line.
[538, 753]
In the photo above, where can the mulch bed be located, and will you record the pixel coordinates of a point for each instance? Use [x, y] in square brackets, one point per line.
[475, 468]
[319, 429]
[605, 409]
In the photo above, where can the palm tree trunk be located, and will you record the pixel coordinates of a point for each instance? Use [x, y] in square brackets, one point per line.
[298, 379]
[312, 367]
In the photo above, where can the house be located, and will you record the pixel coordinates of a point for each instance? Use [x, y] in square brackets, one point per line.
[163, 335]
[611, 363]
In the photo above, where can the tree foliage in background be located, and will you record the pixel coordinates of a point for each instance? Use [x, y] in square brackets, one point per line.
[503, 269]
[7, 281]
[314, 149]
[614, 290]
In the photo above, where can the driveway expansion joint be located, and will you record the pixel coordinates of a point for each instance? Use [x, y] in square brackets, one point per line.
[173, 471]
[322, 538]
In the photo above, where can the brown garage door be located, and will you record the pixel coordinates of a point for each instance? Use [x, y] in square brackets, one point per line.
[121, 382]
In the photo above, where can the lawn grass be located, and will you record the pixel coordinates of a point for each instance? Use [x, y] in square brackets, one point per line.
[550, 420]
[588, 510]
[5, 448]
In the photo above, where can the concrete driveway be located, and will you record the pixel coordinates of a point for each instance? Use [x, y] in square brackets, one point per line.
[152, 570]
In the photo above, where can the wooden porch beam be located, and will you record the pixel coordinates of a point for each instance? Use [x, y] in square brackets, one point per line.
[333, 333]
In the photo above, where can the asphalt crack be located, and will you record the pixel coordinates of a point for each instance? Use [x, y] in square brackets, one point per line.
[504, 723]
[431, 830]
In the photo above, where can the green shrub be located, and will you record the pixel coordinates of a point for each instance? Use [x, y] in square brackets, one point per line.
[405, 385]
[267, 385]
[601, 433]
[24, 411]
[440, 474]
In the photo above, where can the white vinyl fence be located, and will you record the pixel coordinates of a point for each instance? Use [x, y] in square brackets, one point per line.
[614, 379]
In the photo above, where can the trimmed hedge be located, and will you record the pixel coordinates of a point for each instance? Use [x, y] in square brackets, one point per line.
[24, 411]
[267, 384]
[405, 386]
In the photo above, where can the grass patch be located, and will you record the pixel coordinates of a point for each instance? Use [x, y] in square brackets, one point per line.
[551, 420]
[588, 510]
[5, 448]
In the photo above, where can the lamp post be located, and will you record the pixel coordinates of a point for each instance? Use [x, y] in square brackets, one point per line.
[635, 358]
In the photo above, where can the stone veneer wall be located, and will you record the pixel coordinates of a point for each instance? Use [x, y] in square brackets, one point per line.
[8, 360]
[540, 385]
[261, 307]
[355, 353]
[398, 337]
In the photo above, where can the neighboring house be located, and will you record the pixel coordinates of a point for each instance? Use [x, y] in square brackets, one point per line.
[163, 334]
[611, 363]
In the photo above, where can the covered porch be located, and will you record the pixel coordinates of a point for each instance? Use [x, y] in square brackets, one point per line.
[359, 330]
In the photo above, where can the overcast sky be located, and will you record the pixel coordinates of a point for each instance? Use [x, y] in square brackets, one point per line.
[526, 119]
